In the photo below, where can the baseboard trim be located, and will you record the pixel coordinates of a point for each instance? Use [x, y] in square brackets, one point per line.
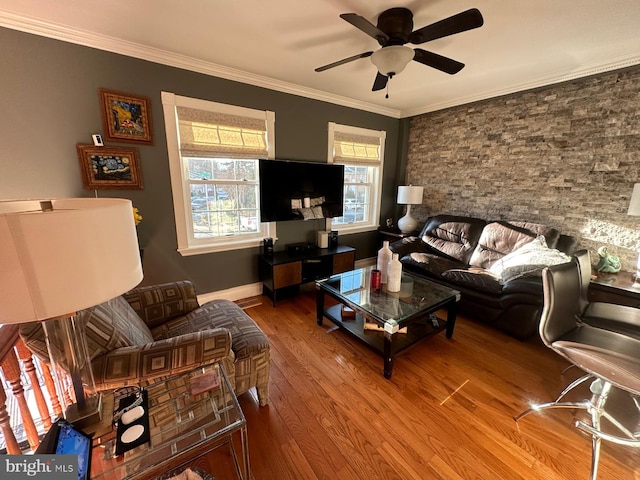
[255, 289]
[235, 293]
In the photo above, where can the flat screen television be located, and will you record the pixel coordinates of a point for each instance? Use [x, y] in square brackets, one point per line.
[292, 190]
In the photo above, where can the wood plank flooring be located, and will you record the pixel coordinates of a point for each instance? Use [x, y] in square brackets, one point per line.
[447, 412]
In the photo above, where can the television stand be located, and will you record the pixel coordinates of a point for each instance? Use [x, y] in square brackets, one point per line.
[283, 272]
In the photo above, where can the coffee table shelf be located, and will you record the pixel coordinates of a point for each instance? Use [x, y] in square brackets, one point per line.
[416, 330]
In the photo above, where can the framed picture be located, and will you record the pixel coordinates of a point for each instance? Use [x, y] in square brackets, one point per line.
[126, 118]
[109, 167]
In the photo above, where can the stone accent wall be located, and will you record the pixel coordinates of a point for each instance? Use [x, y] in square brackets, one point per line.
[565, 155]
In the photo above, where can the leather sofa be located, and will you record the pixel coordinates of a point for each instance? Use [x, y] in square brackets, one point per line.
[496, 266]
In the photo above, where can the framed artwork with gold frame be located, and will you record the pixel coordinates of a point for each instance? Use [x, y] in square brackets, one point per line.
[109, 167]
[125, 117]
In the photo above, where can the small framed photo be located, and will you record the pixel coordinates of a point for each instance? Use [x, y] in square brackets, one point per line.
[109, 167]
[125, 117]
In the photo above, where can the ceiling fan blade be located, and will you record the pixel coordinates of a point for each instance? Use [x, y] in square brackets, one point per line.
[438, 62]
[364, 25]
[380, 82]
[343, 61]
[460, 22]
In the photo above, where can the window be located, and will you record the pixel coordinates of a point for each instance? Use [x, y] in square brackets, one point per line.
[213, 159]
[361, 151]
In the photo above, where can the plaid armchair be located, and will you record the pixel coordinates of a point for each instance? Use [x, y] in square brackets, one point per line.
[156, 331]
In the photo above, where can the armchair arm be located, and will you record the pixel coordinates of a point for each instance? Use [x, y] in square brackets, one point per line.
[409, 245]
[140, 364]
[157, 304]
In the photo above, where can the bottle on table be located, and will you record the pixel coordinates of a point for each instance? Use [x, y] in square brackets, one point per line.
[384, 256]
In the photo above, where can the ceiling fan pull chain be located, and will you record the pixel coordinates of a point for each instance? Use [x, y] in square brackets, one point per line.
[387, 94]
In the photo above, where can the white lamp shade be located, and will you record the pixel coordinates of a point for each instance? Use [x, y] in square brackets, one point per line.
[393, 59]
[410, 195]
[634, 203]
[53, 263]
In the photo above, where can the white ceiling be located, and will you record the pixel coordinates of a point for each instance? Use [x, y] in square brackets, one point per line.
[278, 43]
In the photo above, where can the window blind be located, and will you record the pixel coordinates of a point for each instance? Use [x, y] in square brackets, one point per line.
[218, 135]
[355, 149]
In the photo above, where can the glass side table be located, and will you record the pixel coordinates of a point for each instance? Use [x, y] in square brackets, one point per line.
[182, 428]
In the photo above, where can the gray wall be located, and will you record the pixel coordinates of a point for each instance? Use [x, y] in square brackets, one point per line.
[49, 92]
[565, 155]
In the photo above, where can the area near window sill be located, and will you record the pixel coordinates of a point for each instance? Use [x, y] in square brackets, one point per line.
[223, 247]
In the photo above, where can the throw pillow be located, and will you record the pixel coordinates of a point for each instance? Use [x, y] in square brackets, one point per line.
[501, 238]
[519, 271]
[311, 213]
[532, 256]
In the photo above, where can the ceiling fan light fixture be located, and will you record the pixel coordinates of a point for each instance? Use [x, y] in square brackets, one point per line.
[392, 60]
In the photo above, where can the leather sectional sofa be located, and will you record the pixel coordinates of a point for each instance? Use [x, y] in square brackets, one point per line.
[495, 265]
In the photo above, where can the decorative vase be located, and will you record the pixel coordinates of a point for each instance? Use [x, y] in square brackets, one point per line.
[608, 263]
[384, 256]
[394, 274]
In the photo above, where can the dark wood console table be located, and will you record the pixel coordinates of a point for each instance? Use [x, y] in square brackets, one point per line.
[284, 272]
[615, 288]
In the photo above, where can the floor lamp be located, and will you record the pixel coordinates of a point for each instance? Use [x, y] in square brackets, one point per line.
[59, 257]
[409, 195]
[634, 209]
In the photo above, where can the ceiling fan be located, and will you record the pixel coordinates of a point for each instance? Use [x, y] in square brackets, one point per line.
[395, 29]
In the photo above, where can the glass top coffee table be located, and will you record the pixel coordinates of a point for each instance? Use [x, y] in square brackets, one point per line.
[388, 322]
[189, 415]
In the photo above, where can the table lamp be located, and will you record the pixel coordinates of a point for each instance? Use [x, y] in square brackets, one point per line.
[61, 256]
[409, 195]
[634, 209]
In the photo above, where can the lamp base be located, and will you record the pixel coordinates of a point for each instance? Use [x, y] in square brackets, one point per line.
[91, 414]
[407, 224]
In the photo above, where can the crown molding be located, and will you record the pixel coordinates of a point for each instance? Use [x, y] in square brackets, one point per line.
[131, 49]
[559, 77]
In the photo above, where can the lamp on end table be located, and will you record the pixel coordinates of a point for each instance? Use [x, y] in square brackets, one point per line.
[59, 257]
[409, 195]
[634, 209]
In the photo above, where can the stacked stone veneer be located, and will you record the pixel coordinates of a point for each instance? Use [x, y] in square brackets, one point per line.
[565, 155]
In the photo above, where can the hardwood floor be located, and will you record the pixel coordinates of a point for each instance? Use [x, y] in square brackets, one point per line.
[446, 413]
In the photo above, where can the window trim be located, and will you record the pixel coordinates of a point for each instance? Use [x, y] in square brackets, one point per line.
[376, 195]
[178, 170]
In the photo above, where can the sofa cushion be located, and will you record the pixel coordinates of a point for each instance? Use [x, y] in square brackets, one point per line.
[430, 264]
[529, 259]
[567, 244]
[113, 324]
[452, 235]
[247, 338]
[476, 279]
[155, 304]
[409, 245]
[108, 326]
[501, 238]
